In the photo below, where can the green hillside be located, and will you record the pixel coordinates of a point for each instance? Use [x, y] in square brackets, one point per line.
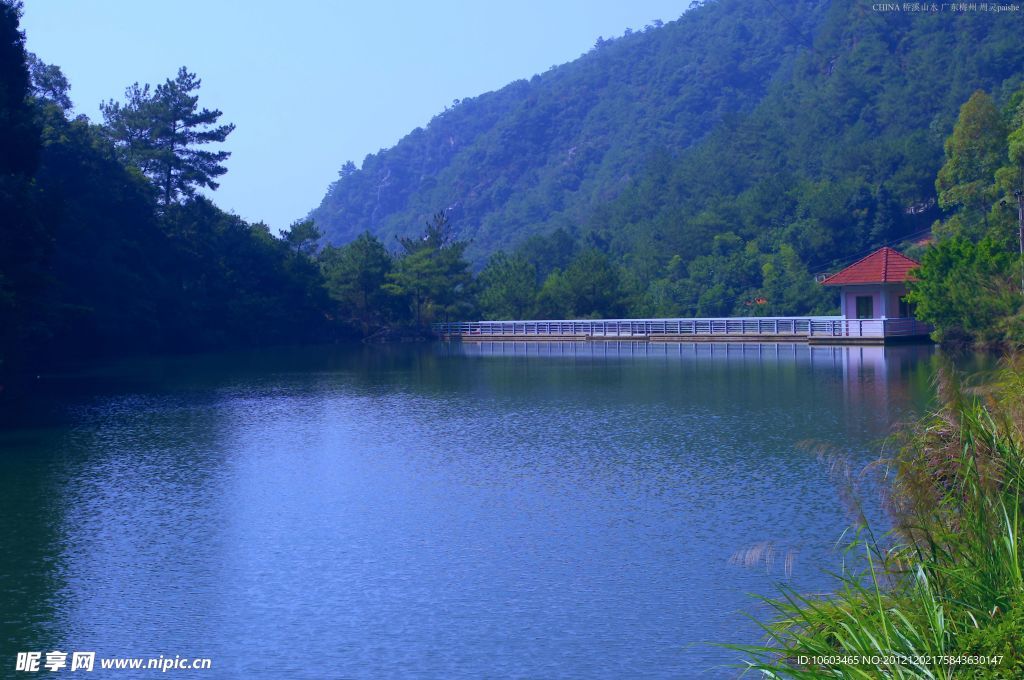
[717, 159]
[838, 158]
[541, 153]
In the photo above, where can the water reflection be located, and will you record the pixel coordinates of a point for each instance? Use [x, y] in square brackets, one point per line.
[876, 380]
[847, 355]
[525, 509]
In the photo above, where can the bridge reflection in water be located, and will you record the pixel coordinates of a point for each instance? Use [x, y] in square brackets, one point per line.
[876, 379]
[855, 358]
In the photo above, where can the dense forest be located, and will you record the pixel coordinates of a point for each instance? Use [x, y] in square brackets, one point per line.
[109, 245]
[971, 280]
[709, 166]
[540, 153]
[106, 247]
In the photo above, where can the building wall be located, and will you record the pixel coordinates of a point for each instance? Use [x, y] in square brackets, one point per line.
[894, 293]
[885, 299]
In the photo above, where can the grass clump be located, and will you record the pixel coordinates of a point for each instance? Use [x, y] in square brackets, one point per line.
[944, 596]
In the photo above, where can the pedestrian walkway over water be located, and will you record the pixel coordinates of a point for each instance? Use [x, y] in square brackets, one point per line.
[811, 329]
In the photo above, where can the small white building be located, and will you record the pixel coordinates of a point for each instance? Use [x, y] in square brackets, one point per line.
[875, 287]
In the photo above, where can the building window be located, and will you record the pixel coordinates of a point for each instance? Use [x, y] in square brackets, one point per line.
[907, 308]
[865, 307]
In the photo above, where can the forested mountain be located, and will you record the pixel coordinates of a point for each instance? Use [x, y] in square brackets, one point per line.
[715, 160]
[539, 154]
[839, 157]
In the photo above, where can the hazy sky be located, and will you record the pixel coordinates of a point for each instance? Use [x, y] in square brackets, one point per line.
[310, 84]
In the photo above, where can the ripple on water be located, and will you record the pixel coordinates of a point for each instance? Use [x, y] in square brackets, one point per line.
[437, 512]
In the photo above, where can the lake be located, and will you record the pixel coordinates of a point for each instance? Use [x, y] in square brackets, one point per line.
[533, 510]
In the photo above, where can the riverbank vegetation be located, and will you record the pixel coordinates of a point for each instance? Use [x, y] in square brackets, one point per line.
[110, 245]
[824, 149]
[107, 245]
[971, 280]
[942, 596]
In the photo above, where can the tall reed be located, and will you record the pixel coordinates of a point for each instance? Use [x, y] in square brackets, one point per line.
[945, 586]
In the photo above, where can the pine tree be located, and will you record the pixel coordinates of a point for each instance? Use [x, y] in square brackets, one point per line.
[49, 83]
[432, 273]
[355, 275]
[160, 132]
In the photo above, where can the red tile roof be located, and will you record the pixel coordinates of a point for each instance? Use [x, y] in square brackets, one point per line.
[885, 265]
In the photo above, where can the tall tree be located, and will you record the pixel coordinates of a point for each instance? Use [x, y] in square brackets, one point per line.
[303, 237]
[161, 131]
[131, 128]
[49, 82]
[355, 275]
[1010, 177]
[25, 238]
[974, 152]
[432, 272]
[968, 284]
[19, 134]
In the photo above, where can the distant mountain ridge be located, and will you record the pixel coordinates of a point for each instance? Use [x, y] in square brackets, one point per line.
[540, 154]
[814, 124]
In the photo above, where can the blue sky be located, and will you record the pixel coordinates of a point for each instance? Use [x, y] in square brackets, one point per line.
[322, 82]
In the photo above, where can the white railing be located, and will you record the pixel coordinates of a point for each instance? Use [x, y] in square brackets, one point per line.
[871, 328]
[809, 326]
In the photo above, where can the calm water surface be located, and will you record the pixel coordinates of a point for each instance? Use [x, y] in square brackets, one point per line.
[542, 510]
